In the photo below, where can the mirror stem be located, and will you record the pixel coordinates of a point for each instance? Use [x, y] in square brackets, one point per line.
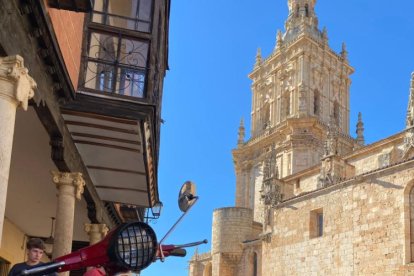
[195, 198]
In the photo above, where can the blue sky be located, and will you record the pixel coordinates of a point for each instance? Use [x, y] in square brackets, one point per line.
[212, 50]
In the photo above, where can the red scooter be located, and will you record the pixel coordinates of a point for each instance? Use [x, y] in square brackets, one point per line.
[129, 247]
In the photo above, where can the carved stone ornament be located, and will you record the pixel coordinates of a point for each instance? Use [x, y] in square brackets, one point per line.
[271, 193]
[331, 143]
[15, 83]
[66, 178]
[408, 143]
[325, 178]
[333, 170]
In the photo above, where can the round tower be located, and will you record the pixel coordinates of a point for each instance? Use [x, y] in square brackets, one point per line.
[231, 226]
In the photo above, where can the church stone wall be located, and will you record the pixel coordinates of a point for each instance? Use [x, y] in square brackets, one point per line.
[382, 157]
[364, 230]
[306, 185]
[201, 265]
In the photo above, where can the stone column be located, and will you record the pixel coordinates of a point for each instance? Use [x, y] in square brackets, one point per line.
[70, 186]
[96, 232]
[16, 88]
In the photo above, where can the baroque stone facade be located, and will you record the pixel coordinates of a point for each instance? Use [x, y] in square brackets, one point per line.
[310, 199]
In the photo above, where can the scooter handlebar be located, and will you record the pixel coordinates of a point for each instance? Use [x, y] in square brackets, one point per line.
[176, 250]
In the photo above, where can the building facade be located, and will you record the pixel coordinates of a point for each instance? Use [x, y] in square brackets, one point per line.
[80, 101]
[311, 199]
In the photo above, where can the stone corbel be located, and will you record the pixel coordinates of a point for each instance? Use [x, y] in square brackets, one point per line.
[57, 148]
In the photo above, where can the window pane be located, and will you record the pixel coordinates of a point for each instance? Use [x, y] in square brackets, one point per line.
[125, 8]
[99, 76]
[122, 22]
[143, 27]
[145, 10]
[103, 47]
[131, 82]
[98, 17]
[98, 5]
[320, 225]
[133, 53]
[126, 14]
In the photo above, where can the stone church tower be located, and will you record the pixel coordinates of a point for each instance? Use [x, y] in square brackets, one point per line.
[300, 93]
[310, 199]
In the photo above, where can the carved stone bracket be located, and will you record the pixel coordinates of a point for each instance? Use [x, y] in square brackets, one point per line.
[57, 149]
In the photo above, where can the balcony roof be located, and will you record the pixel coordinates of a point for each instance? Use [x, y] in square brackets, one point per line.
[117, 156]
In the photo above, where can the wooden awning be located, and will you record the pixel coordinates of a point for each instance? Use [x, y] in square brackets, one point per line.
[117, 155]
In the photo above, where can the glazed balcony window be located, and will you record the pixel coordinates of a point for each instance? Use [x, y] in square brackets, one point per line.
[116, 64]
[126, 14]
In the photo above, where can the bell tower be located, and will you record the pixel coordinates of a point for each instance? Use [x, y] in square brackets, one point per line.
[301, 12]
[299, 93]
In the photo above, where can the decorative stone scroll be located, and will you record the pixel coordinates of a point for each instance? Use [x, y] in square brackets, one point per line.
[96, 232]
[15, 83]
[65, 178]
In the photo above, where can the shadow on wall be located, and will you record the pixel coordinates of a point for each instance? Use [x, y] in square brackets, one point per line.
[387, 185]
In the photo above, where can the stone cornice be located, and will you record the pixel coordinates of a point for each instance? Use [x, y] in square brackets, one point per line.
[291, 44]
[280, 130]
[354, 180]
